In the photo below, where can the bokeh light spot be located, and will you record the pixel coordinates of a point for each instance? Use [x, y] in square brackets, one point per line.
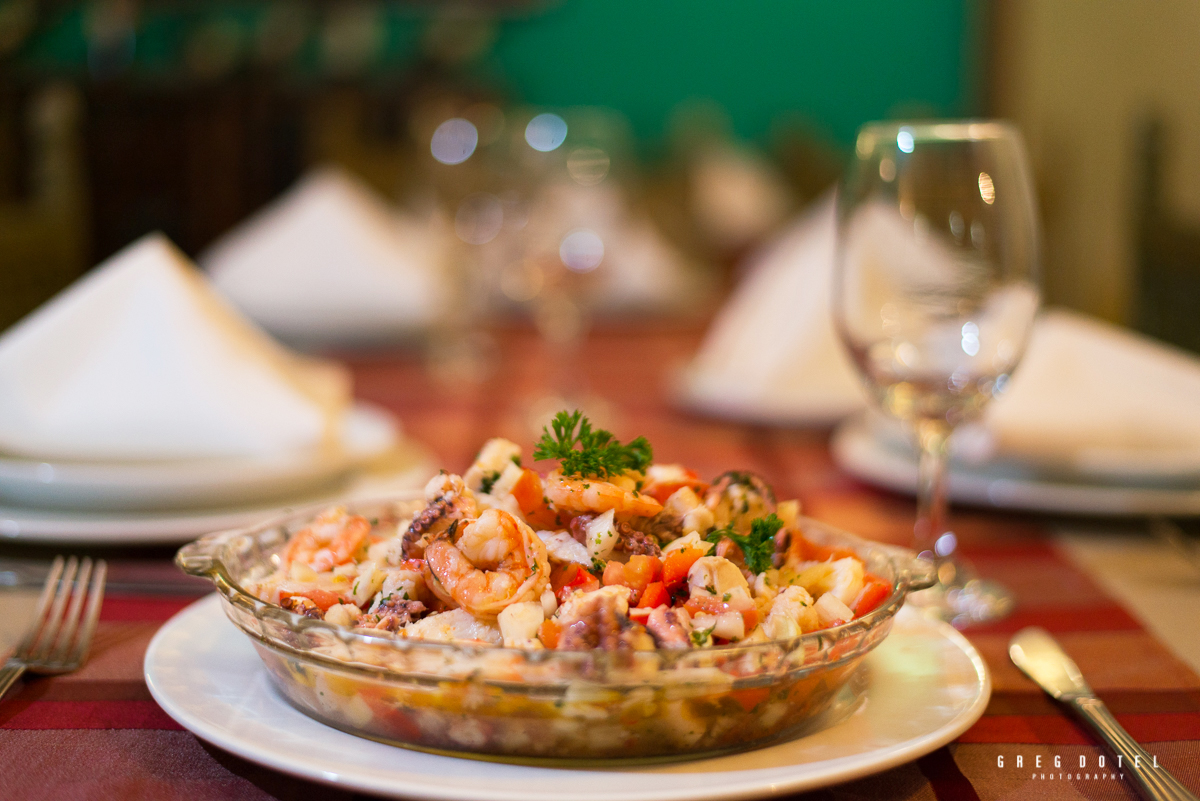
[582, 250]
[454, 141]
[546, 132]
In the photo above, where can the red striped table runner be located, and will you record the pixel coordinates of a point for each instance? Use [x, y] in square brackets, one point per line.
[97, 733]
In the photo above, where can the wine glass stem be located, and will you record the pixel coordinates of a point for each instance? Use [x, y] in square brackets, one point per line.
[932, 435]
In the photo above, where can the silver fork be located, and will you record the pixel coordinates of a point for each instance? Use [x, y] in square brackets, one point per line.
[56, 643]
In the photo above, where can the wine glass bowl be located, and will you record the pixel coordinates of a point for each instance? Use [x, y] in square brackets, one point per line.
[935, 293]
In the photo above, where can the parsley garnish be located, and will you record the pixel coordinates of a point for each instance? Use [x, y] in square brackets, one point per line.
[488, 481]
[599, 454]
[759, 546]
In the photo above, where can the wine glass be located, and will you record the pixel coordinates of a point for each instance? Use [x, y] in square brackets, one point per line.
[935, 293]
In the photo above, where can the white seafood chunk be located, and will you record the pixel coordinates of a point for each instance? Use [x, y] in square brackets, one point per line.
[832, 611]
[562, 547]
[519, 624]
[717, 576]
[494, 458]
[687, 507]
[601, 536]
[690, 540]
[457, 624]
[367, 583]
[792, 613]
[343, 614]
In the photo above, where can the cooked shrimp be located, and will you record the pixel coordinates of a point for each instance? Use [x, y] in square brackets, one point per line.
[487, 564]
[333, 539]
[792, 613]
[449, 500]
[593, 495]
[841, 578]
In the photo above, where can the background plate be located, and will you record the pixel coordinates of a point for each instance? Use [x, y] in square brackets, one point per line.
[367, 432]
[858, 451]
[407, 466]
[925, 685]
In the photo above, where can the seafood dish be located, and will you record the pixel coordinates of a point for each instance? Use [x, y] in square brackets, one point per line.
[609, 606]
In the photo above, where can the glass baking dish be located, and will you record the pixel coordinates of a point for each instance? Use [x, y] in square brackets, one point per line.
[513, 703]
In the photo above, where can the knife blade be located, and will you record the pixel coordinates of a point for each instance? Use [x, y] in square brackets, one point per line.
[1041, 658]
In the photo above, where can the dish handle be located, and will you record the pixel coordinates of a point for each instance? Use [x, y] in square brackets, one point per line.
[201, 557]
[913, 572]
[918, 573]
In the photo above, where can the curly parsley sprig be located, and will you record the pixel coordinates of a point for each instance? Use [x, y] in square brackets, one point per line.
[759, 546]
[586, 452]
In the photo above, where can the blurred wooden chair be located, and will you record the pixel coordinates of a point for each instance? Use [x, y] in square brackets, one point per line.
[1168, 253]
[44, 233]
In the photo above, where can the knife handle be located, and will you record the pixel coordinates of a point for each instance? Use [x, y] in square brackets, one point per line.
[1151, 783]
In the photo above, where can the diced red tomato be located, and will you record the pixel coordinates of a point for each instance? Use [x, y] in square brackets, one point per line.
[812, 552]
[711, 605]
[655, 595]
[567, 578]
[642, 569]
[531, 498]
[874, 592]
[750, 619]
[549, 633]
[752, 697]
[676, 565]
[614, 573]
[661, 491]
[322, 598]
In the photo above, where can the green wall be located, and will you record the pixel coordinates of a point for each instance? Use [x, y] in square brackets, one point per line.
[832, 63]
[837, 64]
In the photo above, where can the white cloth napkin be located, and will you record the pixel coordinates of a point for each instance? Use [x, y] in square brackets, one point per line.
[331, 262]
[1095, 399]
[1088, 399]
[772, 353]
[141, 359]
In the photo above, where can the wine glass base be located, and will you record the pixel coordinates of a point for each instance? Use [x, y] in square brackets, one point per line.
[972, 603]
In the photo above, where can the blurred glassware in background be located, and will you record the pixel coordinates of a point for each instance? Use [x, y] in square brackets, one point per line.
[935, 293]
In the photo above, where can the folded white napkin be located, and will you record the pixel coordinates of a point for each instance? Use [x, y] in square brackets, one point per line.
[140, 359]
[1092, 398]
[1087, 399]
[772, 353]
[331, 262]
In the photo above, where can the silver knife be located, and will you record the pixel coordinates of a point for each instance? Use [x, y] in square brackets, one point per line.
[1041, 658]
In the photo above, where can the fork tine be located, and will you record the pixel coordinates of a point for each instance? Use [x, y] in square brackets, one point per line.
[95, 601]
[48, 588]
[53, 622]
[71, 621]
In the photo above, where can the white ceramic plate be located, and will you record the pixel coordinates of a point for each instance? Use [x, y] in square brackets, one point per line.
[92, 486]
[406, 466]
[859, 451]
[925, 685]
